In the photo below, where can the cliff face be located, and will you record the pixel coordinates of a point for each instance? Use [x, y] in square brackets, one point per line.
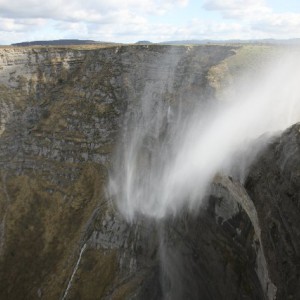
[61, 111]
[274, 187]
[54, 146]
[61, 114]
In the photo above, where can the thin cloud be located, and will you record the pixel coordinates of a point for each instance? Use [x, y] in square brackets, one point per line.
[19, 25]
[287, 25]
[258, 17]
[132, 20]
[78, 10]
[237, 9]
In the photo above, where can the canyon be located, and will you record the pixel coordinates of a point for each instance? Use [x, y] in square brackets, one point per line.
[64, 113]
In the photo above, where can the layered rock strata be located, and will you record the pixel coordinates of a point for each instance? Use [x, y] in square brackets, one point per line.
[61, 237]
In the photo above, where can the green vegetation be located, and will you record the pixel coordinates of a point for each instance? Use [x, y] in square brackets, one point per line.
[246, 60]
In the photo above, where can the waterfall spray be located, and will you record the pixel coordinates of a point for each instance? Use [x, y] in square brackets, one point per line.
[169, 157]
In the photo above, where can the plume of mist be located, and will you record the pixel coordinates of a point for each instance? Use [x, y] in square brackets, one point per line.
[169, 158]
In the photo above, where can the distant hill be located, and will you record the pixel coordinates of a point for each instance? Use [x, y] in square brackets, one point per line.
[143, 42]
[186, 42]
[69, 42]
[65, 42]
[205, 42]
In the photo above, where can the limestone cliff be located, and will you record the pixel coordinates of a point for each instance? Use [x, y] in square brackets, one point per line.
[61, 111]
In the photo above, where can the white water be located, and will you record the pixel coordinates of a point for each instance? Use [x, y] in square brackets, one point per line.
[169, 158]
[73, 273]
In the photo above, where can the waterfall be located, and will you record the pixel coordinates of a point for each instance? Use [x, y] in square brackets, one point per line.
[74, 272]
[169, 154]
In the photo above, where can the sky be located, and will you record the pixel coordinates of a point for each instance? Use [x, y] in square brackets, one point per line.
[129, 21]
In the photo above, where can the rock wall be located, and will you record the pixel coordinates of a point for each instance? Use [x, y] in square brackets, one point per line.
[274, 187]
[61, 114]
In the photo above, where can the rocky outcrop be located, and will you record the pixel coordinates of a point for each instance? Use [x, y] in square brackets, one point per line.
[243, 243]
[274, 187]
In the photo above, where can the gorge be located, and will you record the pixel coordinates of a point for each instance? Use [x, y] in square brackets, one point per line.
[149, 172]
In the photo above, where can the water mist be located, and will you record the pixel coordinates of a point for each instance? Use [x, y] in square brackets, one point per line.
[169, 156]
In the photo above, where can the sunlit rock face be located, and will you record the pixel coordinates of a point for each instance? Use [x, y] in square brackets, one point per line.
[63, 120]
